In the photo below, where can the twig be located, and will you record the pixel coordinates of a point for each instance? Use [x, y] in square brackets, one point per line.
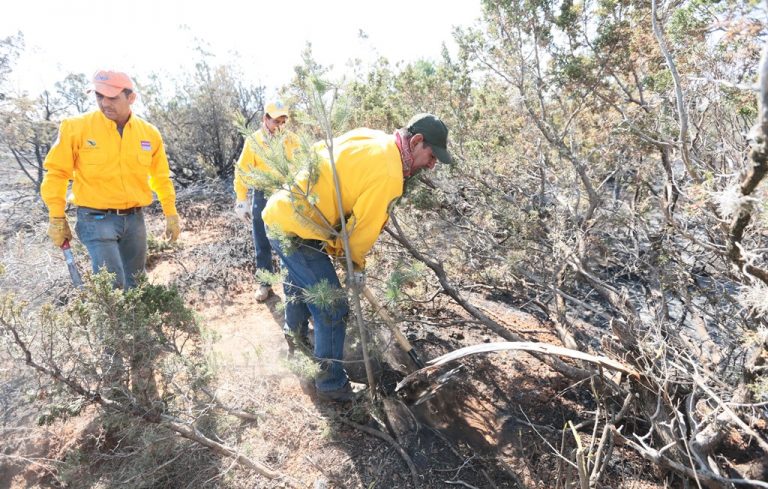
[186, 431]
[447, 442]
[388, 439]
[461, 483]
[682, 112]
[735, 417]
[658, 458]
[554, 450]
[232, 411]
[439, 271]
[323, 471]
[34, 461]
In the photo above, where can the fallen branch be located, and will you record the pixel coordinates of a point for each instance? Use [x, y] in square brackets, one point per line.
[705, 476]
[734, 417]
[148, 416]
[439, 271]
[238, 413]
[529, 346]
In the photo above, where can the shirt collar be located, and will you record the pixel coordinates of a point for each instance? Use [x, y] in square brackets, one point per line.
[112, 123]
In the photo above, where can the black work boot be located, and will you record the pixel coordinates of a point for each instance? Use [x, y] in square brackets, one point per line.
[348, 392]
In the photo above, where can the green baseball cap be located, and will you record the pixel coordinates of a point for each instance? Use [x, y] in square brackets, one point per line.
[435, 134]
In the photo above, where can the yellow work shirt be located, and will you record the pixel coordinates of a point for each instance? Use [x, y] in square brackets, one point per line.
[370, 173]
[250, 160]
[108, 171]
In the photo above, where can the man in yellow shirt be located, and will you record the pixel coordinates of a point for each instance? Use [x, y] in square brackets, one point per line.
[372, 167]
[250, 161]
[115, 161]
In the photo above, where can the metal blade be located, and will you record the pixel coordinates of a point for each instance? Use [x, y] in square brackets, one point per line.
[74, 273]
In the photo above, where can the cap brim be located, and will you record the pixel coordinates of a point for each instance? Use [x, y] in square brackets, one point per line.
[278, 113]
[443, 156]
[107, 90]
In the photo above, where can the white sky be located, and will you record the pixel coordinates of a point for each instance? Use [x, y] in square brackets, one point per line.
[143, 36]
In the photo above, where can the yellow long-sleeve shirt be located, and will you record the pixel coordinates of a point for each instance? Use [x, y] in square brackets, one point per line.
[250, 160]
[370, 173]
[108, 171]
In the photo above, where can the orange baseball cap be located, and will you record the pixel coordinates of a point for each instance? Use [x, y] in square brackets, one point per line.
[111, 83]
[276, 109]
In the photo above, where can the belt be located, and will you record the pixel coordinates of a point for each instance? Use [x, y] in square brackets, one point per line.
[119, 212]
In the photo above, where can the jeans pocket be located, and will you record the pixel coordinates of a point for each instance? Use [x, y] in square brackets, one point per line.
[91, 224]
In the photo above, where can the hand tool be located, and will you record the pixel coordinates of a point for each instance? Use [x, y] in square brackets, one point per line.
[74, 273]
[399, 336]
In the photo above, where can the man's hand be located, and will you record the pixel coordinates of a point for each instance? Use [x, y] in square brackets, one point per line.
[58, 230]
[243, 211]
[172, 227]
[356, 279]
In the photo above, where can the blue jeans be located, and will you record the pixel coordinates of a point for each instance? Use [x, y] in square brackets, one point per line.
[260, 240]
[117, 243]
[308, 266]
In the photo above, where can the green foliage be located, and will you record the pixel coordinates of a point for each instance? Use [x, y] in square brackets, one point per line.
[303, 365]
[659, 82]
[568, 19]
[403, 275]
[105, 337]
[324, 295]
[56, 411]
[612, 36]
[573, 69]
[686, 22]
[264, 276]
[419, 196]
[282, 169]
[158, 245]
[744, 104]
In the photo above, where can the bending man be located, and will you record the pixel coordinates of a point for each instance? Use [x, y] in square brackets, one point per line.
[372, 167]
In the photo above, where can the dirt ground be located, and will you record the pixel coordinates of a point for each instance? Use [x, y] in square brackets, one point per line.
[497, 422]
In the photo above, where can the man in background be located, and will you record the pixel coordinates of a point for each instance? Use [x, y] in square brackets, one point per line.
[250, 162]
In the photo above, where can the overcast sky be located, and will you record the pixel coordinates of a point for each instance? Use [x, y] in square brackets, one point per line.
[263, 39]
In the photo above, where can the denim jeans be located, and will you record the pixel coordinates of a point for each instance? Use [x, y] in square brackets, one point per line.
[260, 241]
[307, 266]
[117, 243]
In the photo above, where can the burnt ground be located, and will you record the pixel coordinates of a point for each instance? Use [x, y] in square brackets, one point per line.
[498, 422]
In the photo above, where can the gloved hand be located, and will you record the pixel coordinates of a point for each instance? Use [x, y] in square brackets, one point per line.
[356, 279]
[58, 230]
[243, 211]
[172, 227]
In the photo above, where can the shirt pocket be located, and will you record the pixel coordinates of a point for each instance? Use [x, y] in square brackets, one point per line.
[92, 156]
[144, 158]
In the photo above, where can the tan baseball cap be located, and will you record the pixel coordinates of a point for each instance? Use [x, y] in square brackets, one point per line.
[276, 109]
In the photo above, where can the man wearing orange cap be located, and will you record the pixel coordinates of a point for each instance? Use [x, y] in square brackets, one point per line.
[247, 166]
[115, 161]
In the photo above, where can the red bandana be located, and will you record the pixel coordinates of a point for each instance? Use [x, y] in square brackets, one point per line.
[405, 150]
